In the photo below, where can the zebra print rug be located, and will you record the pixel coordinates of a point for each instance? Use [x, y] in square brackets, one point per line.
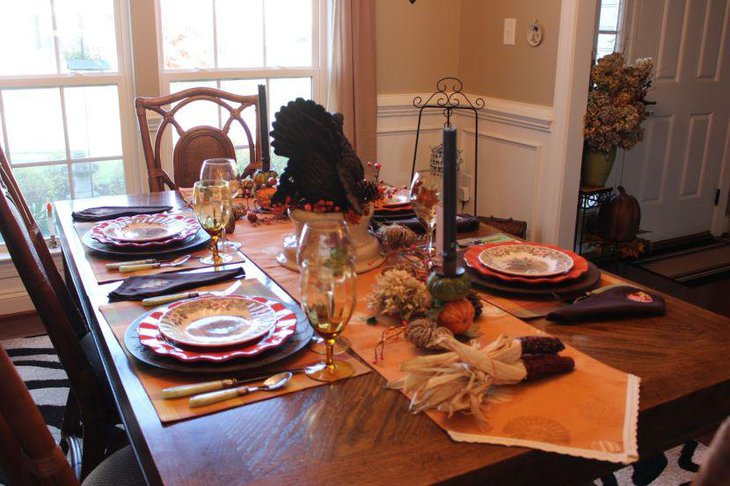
[39, 367]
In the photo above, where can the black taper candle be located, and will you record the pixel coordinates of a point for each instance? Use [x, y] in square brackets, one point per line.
[449, 198]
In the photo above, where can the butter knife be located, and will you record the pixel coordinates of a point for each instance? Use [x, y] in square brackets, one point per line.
[208, 386]
[116, 265]
[165, 299]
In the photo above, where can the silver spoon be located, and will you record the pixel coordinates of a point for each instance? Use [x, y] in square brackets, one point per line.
[270, 384]
[147, 266]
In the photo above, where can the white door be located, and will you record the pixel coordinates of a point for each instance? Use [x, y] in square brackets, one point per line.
[675, 170]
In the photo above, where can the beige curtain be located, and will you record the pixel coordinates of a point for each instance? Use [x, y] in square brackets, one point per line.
[351, 72]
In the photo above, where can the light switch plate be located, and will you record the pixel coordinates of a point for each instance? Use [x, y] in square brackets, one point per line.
[510, 27]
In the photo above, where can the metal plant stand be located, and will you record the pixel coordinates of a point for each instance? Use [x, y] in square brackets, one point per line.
[590, 199]
[448, 97]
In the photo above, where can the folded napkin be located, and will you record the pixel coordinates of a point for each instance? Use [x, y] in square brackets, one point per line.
[138, 288]
[102, 213]
[613, 302]
[464, 222]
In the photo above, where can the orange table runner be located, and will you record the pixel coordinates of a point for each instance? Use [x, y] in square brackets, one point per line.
[591, 412]
[119, 315]
[98, 262]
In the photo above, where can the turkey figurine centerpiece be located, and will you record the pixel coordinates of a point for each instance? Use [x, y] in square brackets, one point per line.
[324, 179]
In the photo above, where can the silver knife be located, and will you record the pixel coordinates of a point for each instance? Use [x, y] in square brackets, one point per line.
[208, 386]
[165, 299]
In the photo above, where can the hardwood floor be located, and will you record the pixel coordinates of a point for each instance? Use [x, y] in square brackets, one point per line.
[20, 325]
[711, 293]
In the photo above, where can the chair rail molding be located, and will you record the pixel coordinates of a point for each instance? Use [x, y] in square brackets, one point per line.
[523, 115]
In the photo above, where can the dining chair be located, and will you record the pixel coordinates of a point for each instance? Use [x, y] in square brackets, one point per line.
[8, 180]
[28, 453]
[200, 142]
[90, 417]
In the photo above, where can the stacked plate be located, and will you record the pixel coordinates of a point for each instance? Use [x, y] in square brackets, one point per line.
[394, 206]
[217, 329]
[145, 233]
[529, 268]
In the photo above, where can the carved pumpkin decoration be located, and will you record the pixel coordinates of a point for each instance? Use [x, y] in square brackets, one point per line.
[457, 316]
[618, 221]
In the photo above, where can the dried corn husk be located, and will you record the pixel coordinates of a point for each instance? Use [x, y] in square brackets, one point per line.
[460, 379]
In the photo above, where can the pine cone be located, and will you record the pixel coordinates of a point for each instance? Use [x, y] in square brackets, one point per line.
[239, 211]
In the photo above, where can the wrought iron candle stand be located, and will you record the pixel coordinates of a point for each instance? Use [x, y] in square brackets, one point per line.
[449, 96]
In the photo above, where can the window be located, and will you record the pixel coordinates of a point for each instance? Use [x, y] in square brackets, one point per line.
[610, 26]
[234, 45]
[64, 98]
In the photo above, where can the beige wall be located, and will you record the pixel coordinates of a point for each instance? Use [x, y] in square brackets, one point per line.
[520, 72]
[416, 45]
[144, 48]
[420, 43]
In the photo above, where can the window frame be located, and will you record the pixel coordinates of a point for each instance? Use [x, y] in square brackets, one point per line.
[620, 27]
[123, 81]
[317, 71]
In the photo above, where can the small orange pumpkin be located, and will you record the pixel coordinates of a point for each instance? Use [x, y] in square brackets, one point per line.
[457, 316]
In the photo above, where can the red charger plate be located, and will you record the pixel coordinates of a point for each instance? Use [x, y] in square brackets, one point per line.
[471, 258]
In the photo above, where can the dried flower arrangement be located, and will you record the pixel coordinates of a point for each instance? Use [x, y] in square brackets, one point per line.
[428, 306]
[617, 103]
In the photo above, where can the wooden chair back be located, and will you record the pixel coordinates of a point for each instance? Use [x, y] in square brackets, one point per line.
[59, 316]
[28, 452]
[8, 180]
[201, 142]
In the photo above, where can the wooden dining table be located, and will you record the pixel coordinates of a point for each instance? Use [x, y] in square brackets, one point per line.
[356, 432]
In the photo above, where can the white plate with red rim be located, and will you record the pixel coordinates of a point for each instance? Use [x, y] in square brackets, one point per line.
[148, 229]
[217, 321]
[151, 337]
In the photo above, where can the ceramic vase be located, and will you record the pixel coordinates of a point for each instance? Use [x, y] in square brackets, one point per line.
[596, 167]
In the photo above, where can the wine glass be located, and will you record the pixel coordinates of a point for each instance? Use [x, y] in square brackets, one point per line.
[326, 260]
[212, 206]
[425, 196]
[226, 170]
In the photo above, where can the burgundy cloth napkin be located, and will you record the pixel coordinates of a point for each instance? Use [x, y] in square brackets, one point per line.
[102, 213]
[140, 287]
[613, 302]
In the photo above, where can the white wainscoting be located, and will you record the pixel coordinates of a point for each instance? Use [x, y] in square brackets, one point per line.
[13, 297]
[512, 137]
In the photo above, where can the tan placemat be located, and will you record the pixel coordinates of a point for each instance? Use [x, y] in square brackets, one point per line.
[98, 263]
[591, 412]
[119, 315]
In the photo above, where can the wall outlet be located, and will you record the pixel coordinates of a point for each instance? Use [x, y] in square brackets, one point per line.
[465, 187]
[464, 194]
[510, 28]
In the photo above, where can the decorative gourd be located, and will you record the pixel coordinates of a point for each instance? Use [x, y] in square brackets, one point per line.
[618, 221]
[446, 289]
[457, 316]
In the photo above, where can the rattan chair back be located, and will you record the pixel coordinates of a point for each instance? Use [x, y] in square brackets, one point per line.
[201, 142]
